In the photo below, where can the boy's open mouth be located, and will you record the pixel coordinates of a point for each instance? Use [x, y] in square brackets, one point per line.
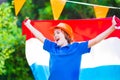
[57, 39]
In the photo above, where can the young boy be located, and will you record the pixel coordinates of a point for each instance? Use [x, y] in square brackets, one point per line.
[65, 55]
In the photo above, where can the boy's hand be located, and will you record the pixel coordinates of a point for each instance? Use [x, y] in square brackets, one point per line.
[27, 21]
[117, 26]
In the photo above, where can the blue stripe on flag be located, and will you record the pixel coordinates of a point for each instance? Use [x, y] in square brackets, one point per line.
[109, 72]
[40, 72]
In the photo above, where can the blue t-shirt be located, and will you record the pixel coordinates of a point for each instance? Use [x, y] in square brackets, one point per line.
[65, 61]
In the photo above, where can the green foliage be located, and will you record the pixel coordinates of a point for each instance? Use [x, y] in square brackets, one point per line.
[45, 12]
[7, 25]
[12, 47]
[117, 1]
[27, 10]
[76, 11]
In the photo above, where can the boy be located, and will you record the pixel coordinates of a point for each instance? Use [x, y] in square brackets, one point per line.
[65, 55]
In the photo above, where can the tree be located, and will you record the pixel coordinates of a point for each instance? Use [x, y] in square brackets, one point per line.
[12, 47]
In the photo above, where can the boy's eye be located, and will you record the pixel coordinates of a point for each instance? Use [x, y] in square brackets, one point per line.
[57, 32]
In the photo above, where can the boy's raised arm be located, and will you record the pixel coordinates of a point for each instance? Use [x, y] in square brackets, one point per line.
[36, 33]
[103, 35]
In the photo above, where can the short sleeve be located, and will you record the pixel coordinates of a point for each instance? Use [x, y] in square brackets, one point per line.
[84, 47]
[48, 45]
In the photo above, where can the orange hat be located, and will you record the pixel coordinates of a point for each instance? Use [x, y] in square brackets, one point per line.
[65, 27]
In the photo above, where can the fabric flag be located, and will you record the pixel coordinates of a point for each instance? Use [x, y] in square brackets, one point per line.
[102, 63]
[100, 12]
[57, 7]
[18, 5]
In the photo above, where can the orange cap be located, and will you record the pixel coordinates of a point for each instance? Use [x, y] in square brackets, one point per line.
[65, 27]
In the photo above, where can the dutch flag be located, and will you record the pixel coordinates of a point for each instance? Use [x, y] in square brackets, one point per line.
[102, 63]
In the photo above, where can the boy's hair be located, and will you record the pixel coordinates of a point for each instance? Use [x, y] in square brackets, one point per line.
[67, 37]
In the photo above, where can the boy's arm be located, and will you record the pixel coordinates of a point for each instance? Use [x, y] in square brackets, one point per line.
[36, 33]
[103, 35]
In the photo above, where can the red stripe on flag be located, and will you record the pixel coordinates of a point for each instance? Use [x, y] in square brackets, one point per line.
[84, 29]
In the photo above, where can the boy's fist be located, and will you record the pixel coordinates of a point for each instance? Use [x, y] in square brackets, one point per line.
[117, 26]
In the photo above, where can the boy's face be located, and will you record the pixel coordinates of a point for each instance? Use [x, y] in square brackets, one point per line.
[59, 37]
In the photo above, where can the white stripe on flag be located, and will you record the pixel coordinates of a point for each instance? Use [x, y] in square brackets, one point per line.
[107, 52]
[35, 53]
